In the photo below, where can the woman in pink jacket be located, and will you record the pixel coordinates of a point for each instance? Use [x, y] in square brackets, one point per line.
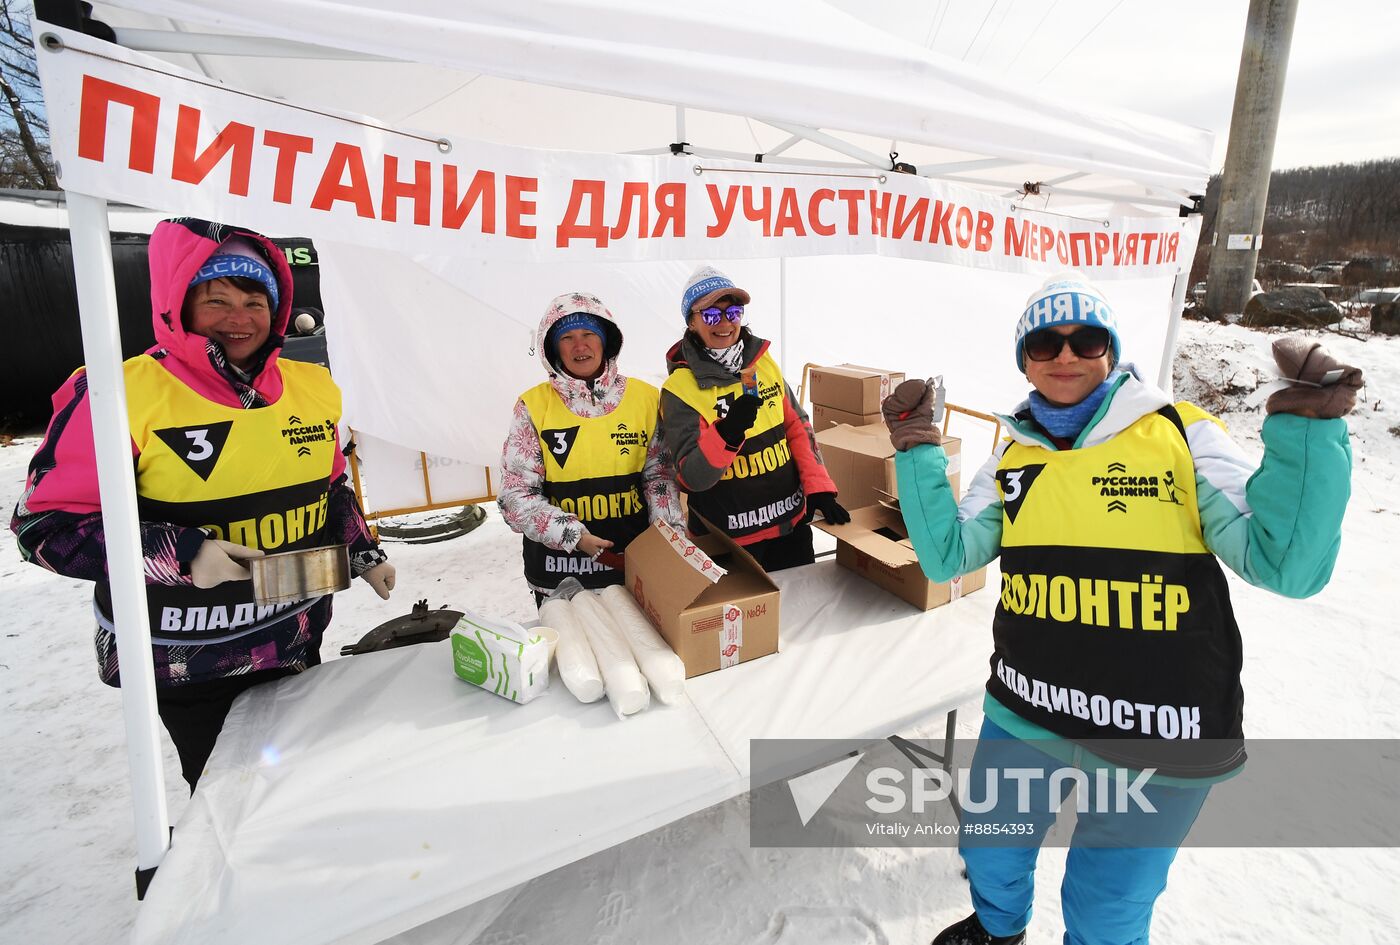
[236, 454]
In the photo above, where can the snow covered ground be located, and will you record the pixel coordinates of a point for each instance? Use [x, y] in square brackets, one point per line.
[1316, 668]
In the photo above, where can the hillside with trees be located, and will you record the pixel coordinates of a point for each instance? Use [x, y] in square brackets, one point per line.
[1346, 213]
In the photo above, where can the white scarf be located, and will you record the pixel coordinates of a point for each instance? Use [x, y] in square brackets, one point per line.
[731, 358]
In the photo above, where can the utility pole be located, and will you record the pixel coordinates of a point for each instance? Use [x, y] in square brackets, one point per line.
[1249, 156]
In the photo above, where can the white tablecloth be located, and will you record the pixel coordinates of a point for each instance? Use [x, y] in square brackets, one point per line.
[375, 793]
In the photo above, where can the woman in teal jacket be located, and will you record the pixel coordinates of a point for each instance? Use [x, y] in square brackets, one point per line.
[1115, 644]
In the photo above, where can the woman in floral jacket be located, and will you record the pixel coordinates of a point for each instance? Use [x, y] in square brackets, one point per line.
[584, 469]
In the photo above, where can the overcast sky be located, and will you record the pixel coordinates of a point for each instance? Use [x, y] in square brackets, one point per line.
[1180, 60]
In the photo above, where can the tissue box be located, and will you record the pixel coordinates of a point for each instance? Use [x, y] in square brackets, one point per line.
[500, 657]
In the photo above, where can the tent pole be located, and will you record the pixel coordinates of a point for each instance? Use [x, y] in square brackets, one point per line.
[1164, 373]
[1012, 194]
[680, 125]
[957, 167]
[781, 147]
[1138, 199]
[97, 310]
[833, 143]
[215, 44]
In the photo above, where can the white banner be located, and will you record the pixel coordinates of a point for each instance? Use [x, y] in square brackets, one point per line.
[133, 128]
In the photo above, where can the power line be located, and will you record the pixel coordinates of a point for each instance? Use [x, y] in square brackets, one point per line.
[1081, 41]
[933, 21]
[979, 29]
[1001, 24]
[1031, 35]
[942, 15]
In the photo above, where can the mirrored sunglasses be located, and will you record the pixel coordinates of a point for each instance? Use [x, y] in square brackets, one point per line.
[1046, 345]
[713, 315]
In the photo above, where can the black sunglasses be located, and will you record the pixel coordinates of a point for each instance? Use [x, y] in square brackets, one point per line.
[1046, 345]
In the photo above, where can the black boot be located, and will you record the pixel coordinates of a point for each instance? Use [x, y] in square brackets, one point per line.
[970, 932]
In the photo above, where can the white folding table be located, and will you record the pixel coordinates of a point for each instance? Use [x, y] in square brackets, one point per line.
[378, 792]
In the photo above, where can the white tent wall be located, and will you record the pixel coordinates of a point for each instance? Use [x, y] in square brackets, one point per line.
[432, 320]
[460, 402]
[394, 477]
[929, 319]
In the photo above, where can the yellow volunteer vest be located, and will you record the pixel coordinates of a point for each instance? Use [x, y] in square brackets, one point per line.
[592, 470]
[1115, 619]
[259, 478]
[761, 488]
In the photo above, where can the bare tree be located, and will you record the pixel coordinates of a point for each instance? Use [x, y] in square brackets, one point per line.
[25, 159]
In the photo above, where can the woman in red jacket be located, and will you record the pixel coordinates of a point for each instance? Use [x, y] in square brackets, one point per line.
[743, 446]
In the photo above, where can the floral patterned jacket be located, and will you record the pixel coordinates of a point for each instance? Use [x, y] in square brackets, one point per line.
[521, 497]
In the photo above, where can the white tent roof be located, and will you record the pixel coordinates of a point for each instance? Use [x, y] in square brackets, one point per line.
[603, 73]
[795, 80]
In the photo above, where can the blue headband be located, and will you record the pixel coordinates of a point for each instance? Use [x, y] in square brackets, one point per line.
[231, 265]
[576, 320]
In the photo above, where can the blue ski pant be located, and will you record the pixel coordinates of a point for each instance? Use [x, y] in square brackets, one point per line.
[1118, 860]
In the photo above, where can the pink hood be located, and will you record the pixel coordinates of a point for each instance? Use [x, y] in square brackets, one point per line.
[178, 248]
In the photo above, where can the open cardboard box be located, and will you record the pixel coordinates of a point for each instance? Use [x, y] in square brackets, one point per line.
[875, 545]
[710, 624]
[852, 388]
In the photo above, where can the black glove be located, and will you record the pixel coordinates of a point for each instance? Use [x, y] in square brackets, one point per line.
[908, 412]
[734, 426]
[1328, 387]
[825, 503]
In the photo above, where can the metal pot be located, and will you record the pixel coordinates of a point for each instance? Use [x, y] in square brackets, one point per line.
[298, 575]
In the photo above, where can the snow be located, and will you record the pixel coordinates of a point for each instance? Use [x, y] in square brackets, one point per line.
[1315, 668]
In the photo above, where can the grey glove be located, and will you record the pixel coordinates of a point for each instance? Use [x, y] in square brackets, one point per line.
[1326, 389]
[381, 578]
[218, 561]
[908, 412]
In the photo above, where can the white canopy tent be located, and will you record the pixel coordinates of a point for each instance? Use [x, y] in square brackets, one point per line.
[417, 309]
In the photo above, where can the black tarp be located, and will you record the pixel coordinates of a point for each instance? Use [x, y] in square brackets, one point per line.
[39, 305]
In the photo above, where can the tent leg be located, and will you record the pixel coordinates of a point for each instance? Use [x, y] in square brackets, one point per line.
[97, 309]
[1164, 373]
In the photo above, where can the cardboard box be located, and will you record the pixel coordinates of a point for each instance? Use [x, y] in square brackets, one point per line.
[850, 387]
[824, 417]
[876, 546]
[710, 624]
[860, 461]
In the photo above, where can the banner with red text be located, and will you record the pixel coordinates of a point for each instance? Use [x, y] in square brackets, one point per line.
[133, 128]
